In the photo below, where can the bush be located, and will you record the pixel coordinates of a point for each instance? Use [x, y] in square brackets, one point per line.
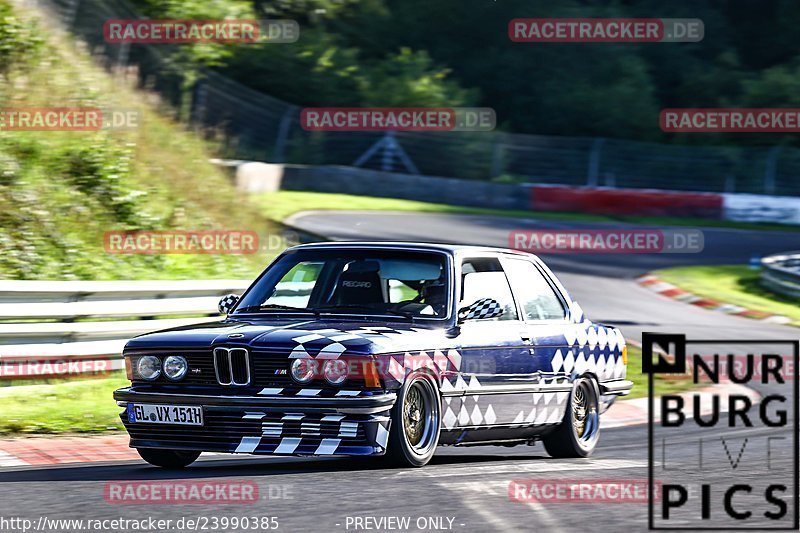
[20, 43]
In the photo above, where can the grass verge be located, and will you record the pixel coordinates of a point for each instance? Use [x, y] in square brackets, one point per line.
[663, 384]
[732, 284]
[61, 406]
[60, 191]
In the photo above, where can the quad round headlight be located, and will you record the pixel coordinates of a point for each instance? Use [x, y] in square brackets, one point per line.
[148, 367]
[335, 371]
[303, 370]
[175, 367]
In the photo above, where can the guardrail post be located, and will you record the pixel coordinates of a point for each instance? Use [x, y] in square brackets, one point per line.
[593, 170]
[496, 167]
[730, 183]
[771, 170]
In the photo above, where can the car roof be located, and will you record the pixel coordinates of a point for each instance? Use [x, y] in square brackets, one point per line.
[401, 245]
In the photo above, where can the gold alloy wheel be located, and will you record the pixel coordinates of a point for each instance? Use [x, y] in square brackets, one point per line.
[413, 416]
[580, 407]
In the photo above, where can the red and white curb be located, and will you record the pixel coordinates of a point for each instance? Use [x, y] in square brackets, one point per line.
[6, 459]
[669, 290]
[634, 412]
[56, 450]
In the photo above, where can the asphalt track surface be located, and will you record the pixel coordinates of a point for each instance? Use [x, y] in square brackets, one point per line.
[467, 489]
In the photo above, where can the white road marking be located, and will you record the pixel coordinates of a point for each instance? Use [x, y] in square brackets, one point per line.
[497, 522]
[535, 467]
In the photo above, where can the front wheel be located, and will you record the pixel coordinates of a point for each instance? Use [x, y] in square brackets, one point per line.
[169, 459]
[579, 430]
[416, 417]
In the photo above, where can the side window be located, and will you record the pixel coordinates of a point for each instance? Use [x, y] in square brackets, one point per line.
[484, 278]
[536, 296]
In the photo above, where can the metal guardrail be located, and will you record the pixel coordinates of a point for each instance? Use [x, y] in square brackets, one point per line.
[781, 273]
[43, 327]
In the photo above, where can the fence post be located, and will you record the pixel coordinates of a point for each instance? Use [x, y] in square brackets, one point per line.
[730, 183]
[389, 149]
[283, 134]
[72, 10]
[496, 166]
[122, 59]
[771, 170]
[593, 170]
[197, 113]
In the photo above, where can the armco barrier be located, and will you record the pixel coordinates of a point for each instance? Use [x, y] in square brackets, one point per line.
[761, 208]
[364, 182]
[260, 177]
[27, 331]
[605, 201]
[781, 273]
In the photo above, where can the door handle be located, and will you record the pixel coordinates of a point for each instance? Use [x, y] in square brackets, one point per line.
[526, 337]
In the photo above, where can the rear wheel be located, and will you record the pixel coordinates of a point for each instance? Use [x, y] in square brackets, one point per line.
[579, 430]
[170, 459]
[416, 417]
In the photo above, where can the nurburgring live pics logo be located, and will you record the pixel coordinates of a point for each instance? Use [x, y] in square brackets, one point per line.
[748, 460]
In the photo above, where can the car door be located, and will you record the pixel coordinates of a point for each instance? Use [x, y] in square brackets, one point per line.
[496, 363]
[545, 314]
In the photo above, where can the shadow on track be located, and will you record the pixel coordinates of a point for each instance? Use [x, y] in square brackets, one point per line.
[237, 467]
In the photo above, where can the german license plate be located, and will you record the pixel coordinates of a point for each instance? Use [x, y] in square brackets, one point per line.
[185, 415]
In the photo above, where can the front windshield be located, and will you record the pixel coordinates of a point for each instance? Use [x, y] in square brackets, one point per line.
[366, 282]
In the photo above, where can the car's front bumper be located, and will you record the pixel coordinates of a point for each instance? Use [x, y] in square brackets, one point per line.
[611, 390]
[272, 424]
[617, 387]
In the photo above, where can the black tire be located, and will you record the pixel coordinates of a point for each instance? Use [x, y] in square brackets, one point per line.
[568, 439]
[169, 459]
[415, 427]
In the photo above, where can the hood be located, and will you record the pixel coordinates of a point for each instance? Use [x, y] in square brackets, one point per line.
[310, 335]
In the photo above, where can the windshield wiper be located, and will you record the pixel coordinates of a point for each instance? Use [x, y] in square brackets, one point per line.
[276, 307]
[393, 312]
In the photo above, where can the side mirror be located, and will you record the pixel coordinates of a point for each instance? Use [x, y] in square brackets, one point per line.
[227, 303]
[483, 308]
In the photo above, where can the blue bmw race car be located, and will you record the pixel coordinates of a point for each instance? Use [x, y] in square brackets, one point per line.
[378, 349]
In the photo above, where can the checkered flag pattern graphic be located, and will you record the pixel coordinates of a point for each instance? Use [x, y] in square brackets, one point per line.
[483, 308]
[596, 349]
[227, 302]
